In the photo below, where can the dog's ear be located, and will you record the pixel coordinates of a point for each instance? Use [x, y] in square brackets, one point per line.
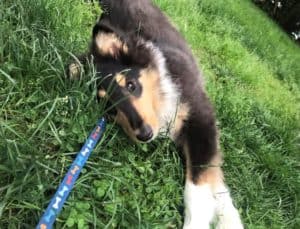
[107, 41]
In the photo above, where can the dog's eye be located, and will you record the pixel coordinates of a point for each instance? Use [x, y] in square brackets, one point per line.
[130, 86]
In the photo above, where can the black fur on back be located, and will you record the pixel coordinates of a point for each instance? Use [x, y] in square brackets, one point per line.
[135, 19]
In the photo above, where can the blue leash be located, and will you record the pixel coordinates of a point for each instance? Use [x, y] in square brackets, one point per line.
[64, 189]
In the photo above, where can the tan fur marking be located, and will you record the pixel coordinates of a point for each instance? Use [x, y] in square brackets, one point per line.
[121, 80]
[110, 44]
[101, 93]
[122, 120]
[148, 104]
[125, 49]
[181, 115]
[213, 174]
[188, 171]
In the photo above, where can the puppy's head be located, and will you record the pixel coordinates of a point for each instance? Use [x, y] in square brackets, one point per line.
[129, 80]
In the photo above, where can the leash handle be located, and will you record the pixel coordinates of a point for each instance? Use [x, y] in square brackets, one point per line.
[65, 187]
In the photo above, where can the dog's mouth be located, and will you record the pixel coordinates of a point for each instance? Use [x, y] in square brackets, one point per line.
[137, 131]
[142, 133]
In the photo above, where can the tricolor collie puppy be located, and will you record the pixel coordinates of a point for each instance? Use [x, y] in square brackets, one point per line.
[149, 73]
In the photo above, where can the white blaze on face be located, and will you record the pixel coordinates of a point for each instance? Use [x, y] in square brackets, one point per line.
[169, 94]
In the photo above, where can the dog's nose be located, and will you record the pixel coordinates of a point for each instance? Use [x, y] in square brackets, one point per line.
[145, 133]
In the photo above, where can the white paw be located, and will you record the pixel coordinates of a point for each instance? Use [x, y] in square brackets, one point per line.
[227, 215]
[199, 206]
[230, 221]
[195, 226]
[74, 71]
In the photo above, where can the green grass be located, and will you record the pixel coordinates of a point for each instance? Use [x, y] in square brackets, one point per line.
[253, 78]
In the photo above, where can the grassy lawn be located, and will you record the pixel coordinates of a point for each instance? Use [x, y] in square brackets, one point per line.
[253, 77]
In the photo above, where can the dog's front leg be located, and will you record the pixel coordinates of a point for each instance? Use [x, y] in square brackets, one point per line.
[209, 199]
[200, 202]
[199, 206]
[206, 195]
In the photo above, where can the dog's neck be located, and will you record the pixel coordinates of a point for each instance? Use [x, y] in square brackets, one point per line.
[169, 92]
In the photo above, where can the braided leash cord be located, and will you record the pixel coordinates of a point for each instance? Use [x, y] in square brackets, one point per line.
[64, 189]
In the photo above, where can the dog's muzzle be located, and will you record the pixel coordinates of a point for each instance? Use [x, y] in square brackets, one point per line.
[145, 133]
